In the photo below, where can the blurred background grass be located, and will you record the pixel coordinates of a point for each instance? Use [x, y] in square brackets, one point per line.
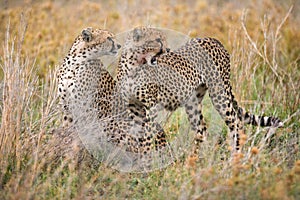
[263, 40]
[52, 25]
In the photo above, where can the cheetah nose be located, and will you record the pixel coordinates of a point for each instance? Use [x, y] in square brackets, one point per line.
[118, 46]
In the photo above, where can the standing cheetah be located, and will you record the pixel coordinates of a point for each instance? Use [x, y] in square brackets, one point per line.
[158, 78]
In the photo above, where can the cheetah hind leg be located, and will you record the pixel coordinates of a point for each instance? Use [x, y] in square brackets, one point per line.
[222, 100]
[193, 109]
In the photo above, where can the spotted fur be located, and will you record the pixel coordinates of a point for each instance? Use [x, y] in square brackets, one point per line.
[84, 85]
[158, 78]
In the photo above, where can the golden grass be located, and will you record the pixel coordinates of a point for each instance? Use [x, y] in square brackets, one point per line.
[262, 37]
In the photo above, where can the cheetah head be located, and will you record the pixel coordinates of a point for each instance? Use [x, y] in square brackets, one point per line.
[94, 43]
[146, 43]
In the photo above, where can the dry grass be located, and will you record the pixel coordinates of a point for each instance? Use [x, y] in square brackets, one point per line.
[262, 39]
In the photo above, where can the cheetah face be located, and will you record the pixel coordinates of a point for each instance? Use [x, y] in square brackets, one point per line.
[146, 43]
[94, 43]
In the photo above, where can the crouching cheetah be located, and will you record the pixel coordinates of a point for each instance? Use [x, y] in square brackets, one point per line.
[158, 78]
[83, 82]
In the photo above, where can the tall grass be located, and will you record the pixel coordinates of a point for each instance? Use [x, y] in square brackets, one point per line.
[27, 107]
[34, 151]
[40, 161]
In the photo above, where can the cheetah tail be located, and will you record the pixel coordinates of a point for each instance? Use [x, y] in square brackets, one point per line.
[256, 120]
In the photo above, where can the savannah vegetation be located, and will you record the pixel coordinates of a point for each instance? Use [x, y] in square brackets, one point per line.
[263, 40]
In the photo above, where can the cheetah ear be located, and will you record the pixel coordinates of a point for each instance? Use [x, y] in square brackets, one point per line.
[87, 34]
[137, 34]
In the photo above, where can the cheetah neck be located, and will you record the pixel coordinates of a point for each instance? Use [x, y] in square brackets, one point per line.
[78, 54]
[71, 61]
[128, 61]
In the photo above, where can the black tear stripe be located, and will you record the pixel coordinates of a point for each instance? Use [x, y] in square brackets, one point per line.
[154, 58]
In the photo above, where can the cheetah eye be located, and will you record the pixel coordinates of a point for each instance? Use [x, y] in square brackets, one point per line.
[158, 40]
[110, 39]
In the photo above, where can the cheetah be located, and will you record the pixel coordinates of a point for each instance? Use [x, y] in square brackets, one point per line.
[159, 78]
[82, 71]
[84, 85]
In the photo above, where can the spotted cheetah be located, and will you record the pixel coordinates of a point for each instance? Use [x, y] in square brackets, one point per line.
[84, 85]
[157, 77]
[82, 71]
